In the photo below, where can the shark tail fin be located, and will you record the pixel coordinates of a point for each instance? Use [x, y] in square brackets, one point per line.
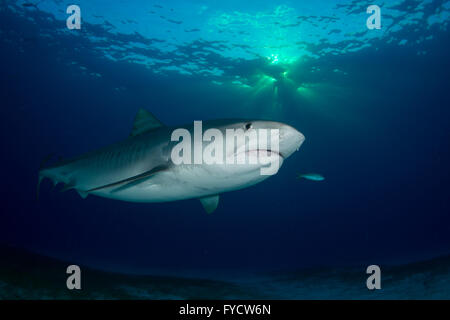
[210, 203]
[44, 161]
[39, 186]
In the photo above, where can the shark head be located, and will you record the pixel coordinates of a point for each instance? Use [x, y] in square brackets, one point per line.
[228, 155]
[290, 139]
[267, 140]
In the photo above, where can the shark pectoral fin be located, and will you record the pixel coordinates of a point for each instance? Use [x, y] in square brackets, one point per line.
[132, 181]
[210, 203]
[143, 122]
[82, 193]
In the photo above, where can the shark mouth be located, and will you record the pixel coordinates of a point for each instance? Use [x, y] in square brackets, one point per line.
[267, 151]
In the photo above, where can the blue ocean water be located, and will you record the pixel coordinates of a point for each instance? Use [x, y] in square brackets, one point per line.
[373, 105]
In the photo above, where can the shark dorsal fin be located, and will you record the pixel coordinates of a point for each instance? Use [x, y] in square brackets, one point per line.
[210, 203]
[143, 122]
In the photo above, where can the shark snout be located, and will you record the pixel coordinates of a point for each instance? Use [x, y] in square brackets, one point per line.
[290, 140]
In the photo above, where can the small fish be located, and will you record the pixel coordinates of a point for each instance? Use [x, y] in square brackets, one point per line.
[311, 176]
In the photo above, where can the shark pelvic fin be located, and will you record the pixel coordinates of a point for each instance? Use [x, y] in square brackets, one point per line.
[145, 121]
[132, 181]
[210, 203]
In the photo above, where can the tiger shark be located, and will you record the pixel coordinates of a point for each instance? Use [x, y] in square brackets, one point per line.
[141, 168]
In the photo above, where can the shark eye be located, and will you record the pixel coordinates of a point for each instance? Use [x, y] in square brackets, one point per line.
[248, 126]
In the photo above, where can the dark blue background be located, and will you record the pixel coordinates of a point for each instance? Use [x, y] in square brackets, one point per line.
[383, 148]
